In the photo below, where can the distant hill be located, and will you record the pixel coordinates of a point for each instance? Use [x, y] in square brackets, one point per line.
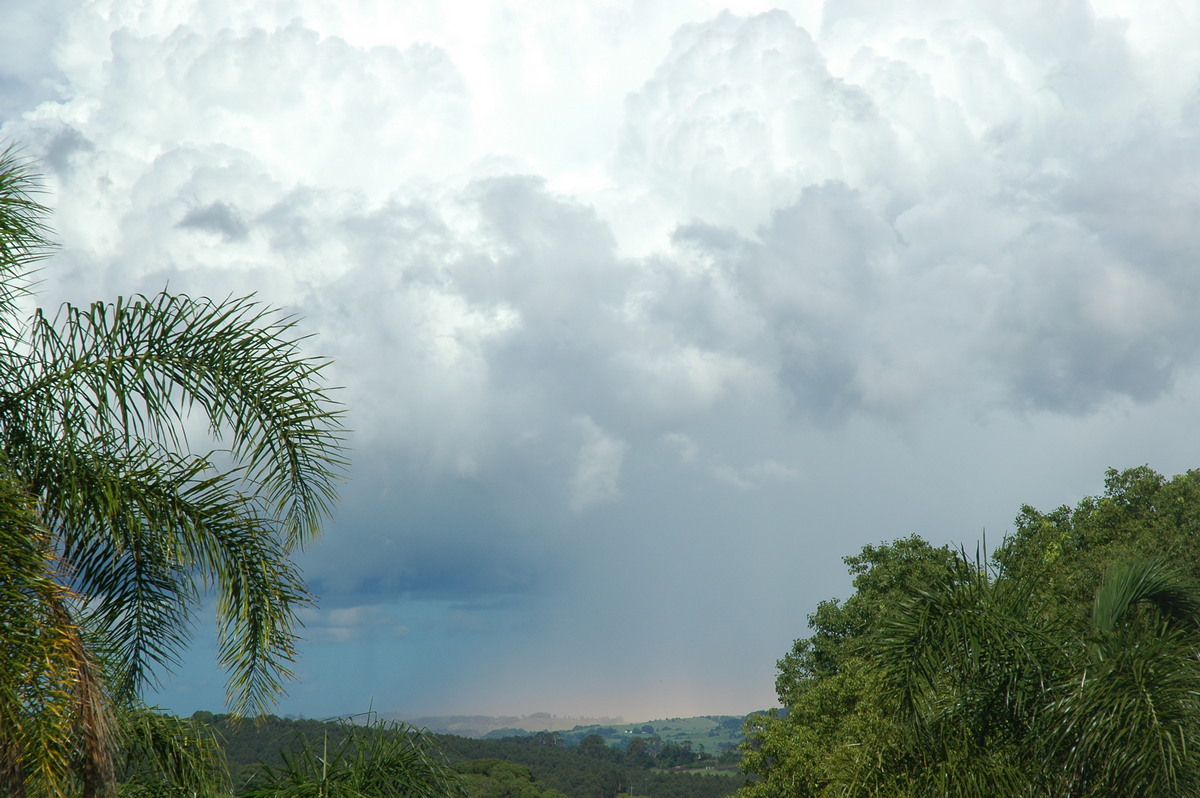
[483, 725]
[713, 733]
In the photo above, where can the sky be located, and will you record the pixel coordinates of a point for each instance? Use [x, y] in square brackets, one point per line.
[644, 315]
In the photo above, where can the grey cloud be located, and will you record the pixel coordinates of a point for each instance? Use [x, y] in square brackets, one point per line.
[66, 145]
[26, 77]
[58, 147]
[453, 538]
[814, 278]
[1043, 32]
[880, 208]
[1090, 327]
[554, 258]
[217, 217]
[346, 624]
[857, 272]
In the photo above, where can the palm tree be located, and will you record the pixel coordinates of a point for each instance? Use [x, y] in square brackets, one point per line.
[1128, 722]
[1000, 690]
[113, 527]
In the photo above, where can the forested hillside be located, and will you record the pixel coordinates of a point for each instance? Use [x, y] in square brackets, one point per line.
[534, 766]
[707, 734]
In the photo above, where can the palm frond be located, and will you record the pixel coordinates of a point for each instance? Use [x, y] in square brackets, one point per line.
[1130, 724]
[1003, 661]
[145, 536]
[1151, 582]
[94, 421]
[138, 368]
[112, 529]
[55, 728]
[24, 234]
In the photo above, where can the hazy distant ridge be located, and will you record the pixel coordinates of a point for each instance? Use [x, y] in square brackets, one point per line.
[481, 725]
[712, 733]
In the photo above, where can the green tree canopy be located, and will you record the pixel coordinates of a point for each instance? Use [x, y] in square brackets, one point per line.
[826, 682]
[999, 690]
[1065, 665]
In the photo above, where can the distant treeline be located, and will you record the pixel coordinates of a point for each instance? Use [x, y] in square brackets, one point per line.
[707, 734]
[540, 765]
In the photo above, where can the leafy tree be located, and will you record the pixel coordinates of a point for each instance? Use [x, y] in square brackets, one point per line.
[114, 528]
[637, 753]
[593, 745]
[564, 770]
[1065, 666]
[673, 754]
[549, 739]
[1140, 514]
[827, 683]
[496, 778]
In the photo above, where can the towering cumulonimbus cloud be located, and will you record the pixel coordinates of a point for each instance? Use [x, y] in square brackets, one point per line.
[970, 242]
[911, 192]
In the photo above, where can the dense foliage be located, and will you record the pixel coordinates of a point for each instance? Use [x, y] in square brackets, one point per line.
[594, 770]
[1064, 665]
[377, 759]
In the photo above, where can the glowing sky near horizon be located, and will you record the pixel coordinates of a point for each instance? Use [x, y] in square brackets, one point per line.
[646, 313]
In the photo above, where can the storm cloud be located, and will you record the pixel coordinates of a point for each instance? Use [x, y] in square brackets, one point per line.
[644, 317]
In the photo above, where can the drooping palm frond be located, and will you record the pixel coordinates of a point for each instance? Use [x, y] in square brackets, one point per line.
[1151, 582]
[93, 418]
[24, 236]
[1128, 723]
[146, 537]
[969, 664]
[141, 368]
[55, 720]
[970, 651]
[999, 694]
